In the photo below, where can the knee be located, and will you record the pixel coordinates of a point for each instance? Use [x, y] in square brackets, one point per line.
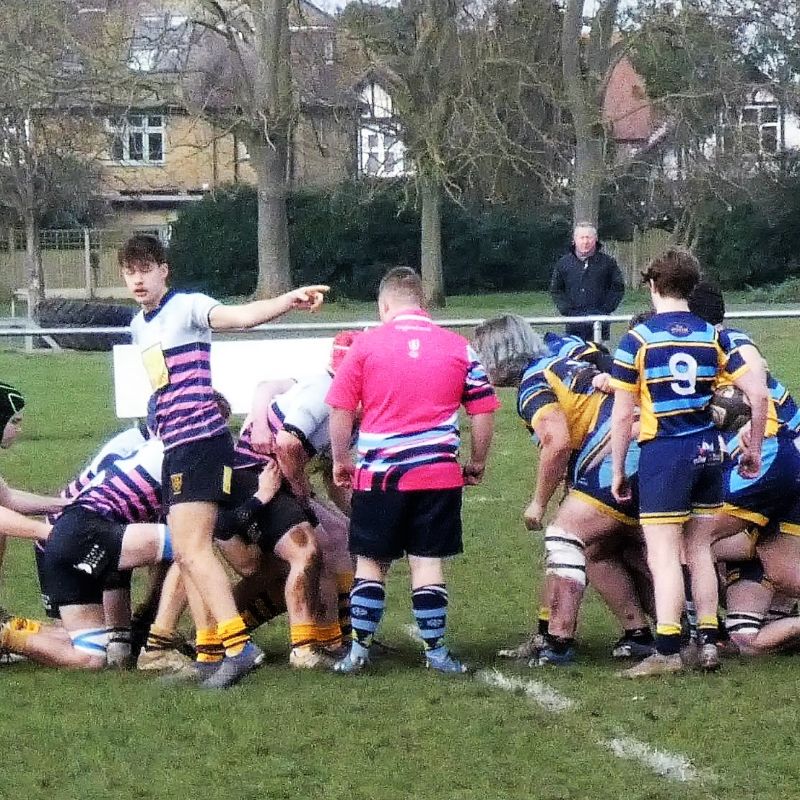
[565, 556]
[302, 548]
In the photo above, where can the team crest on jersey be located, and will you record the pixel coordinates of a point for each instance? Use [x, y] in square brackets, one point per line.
[176, 481]
[679, 329]
[413, 348]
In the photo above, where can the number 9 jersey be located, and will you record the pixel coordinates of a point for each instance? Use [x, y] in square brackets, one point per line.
[673, 362]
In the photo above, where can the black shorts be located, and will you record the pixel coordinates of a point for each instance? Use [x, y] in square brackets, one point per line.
[271, 521]
[81, 554]
[50, 610]
[199, 472]
[385, 525]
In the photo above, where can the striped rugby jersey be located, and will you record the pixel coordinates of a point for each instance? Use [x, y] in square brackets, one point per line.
[562, 382]
[175, 342]
[783, 416]
[673, 362]
[569, 345]
[128, 490]
[411, 376]
[302, 410]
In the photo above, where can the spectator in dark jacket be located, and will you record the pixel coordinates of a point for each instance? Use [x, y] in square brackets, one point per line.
[586, 281]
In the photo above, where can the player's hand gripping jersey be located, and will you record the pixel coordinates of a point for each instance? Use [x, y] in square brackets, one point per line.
[673, 362]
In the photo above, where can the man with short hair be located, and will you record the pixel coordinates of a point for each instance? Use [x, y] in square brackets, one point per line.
[411, 376]
[670, 365]
[586, 281]
[173, 332]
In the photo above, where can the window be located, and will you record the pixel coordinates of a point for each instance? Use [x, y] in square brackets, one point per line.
[381, 151]
[160, 43]
[137, 139]
[754, 129]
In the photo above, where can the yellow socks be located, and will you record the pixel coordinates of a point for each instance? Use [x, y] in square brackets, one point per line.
[233, 635]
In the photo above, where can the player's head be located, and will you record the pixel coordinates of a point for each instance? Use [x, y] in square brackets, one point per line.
[506, 344]
[341, 344]
[674, 274]
[11, 405]
[708, 303]
[401, 287]
[143, 263]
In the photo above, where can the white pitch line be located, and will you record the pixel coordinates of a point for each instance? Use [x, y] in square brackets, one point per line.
[669, 765]
[547, 697]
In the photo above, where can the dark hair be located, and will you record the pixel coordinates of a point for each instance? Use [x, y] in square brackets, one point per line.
[142, 249]
[403, 282]
[674, 273]
[707, 302]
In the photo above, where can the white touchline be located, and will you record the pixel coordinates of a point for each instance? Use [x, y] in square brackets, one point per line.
[673, 766]
[669, 765]
[547, 697]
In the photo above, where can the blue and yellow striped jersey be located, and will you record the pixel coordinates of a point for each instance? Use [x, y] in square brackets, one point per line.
[564, 382]
[783, 415]
[569, 346]
[673, 362]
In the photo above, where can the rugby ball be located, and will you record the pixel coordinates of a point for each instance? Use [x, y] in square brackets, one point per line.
[729, 408]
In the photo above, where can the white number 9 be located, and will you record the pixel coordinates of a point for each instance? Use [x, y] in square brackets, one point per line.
[684, 369]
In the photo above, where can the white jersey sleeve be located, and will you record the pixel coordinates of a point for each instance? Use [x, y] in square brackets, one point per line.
[201, 305]
[305, 412]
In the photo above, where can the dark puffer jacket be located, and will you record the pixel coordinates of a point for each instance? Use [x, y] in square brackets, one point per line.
[592, 286]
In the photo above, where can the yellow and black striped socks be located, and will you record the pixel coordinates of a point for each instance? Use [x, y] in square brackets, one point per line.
[209, 646]
[233, 635]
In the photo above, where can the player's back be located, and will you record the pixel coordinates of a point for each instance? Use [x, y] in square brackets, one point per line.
[675, 359]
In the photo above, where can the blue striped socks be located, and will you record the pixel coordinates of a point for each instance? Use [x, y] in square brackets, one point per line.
[430, 611]
[367, 603]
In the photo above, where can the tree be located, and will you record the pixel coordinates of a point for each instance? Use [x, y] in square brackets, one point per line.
[239, 75]
[46, 89]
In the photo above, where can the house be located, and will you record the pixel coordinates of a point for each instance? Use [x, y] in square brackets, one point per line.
[159, 157]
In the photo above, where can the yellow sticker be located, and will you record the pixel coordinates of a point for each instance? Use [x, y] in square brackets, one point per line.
[155, 366]
[227, 476]
[176, 481]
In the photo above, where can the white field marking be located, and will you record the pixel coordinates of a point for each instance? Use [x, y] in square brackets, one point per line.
[673, 766]
[547, 697]
[477, 498]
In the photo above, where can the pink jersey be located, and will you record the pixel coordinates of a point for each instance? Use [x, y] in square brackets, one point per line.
[411, 376]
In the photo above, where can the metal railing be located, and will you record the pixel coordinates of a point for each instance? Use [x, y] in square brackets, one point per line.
[26, 329]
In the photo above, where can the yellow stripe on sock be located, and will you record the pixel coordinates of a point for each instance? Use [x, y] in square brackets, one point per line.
[233, 634]
[303, 633]
[669, 629]
[329, 634]
[544, 613]
[707, 622]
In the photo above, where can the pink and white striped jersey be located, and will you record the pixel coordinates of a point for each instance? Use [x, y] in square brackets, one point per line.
[175, 342]
[302, 410]
[129, 489]
[411, 376]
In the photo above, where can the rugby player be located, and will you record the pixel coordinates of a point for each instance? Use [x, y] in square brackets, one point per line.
[570, 419]
[173, 332]
[670, 365]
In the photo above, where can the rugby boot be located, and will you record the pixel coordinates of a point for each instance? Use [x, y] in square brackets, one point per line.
[625, 647]
[234, 668]
[310, 657]
[357, 660]
[547, 656]
[162, 661]
[527, 650]
[709, 657]
[656, 664]
[445, 662]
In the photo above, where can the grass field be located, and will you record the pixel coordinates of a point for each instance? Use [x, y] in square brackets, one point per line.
[399, 732]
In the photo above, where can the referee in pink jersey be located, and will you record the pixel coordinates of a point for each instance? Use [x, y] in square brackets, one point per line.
[409, 377]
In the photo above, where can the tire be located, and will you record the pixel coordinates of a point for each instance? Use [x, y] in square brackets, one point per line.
[58, 312]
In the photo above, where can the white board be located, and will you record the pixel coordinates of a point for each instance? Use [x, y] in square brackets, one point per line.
[236, 369]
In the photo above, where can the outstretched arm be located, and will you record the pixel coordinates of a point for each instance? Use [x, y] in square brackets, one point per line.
[248, 315]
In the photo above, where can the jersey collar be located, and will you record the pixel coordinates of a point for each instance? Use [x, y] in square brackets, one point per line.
[149, 315]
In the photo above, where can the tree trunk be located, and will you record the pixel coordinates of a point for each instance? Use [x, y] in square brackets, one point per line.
[33, 261]
[589, 172]
[431, 255]
[274, 268]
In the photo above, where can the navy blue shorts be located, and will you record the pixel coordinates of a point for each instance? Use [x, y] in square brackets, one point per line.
[385, 525]
[80, 557]
[593, 485]
[200, 471]
[773, 496]
[679, 476]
